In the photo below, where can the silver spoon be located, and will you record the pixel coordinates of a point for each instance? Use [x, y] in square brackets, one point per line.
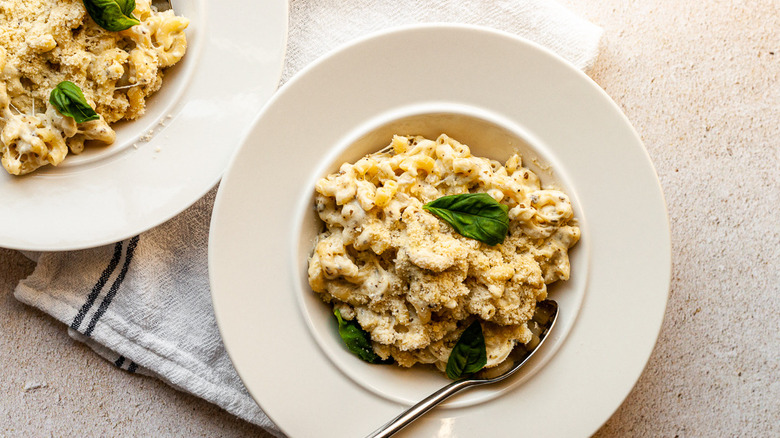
[162, 5]
[544, 318]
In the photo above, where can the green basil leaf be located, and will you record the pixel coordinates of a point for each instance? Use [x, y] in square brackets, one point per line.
[127, 7]
[112, 15]
[358, 341]
[68, 99]
[469, 354]
[474, 215]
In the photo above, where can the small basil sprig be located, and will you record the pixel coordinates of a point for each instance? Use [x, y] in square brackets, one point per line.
[474, 215]
[68, 99]
[358, 340]
[469, 355]
[112, 15]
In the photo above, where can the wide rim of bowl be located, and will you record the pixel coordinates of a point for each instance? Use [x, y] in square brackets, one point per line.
[109, 197]
[233, 319]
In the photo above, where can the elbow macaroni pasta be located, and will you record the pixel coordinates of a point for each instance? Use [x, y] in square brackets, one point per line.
[44, 42]
[411, 281]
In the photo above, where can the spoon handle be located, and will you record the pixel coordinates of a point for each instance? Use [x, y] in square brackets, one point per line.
[420, 408]
[544, 319]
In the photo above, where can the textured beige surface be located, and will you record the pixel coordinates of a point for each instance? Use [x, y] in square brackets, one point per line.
[700, 81]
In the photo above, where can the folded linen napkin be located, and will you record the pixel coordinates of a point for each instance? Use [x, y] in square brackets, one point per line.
[144, 303]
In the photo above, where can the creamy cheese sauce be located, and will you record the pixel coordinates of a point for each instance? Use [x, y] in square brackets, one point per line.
[408, 278]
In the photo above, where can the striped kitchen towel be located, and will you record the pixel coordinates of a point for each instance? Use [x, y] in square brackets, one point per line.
[144, 304]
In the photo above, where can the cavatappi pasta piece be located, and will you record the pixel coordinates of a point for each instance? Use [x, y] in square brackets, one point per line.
[412, 282]
[170, 41]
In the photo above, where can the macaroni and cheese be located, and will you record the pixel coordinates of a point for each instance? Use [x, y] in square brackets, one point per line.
[410, 280]
[45, 42]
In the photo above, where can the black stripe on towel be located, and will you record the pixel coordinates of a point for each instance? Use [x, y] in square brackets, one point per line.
[119, 362]
[114, 287]
[98, 287]
[132, 367]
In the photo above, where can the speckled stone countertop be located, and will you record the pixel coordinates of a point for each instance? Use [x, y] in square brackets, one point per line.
[700, 82]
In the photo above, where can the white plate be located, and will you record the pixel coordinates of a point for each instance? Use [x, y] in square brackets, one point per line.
[496, 92]
[233, 65]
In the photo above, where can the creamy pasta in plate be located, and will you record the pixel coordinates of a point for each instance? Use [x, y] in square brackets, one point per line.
[410, 280]
[45, 42]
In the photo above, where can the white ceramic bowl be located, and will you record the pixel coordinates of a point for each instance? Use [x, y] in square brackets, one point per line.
[487, 135]
[494, 92]
[195, 122]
